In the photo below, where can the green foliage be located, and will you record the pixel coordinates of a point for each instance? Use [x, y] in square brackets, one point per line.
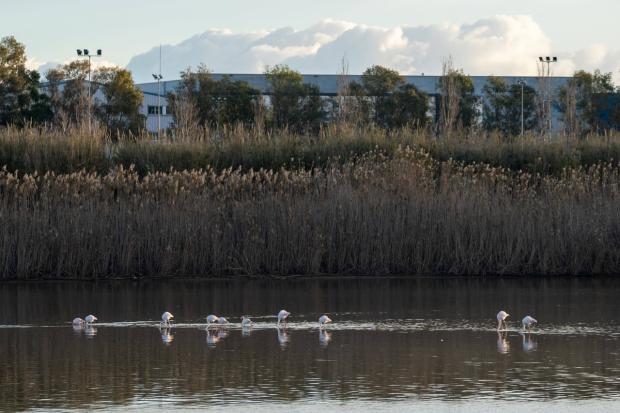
[20, 99]
[121, 109]
[502, 107]
[217, 103]
[294, 105]
[592, 97]
[395, 104]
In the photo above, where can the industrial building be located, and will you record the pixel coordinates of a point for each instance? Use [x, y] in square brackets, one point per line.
[328, 87]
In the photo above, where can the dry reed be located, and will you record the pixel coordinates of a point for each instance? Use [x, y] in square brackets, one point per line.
[399, 213]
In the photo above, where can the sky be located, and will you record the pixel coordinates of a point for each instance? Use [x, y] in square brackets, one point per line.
[243, 36]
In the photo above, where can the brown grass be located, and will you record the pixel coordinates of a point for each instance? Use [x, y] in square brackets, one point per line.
[402, 213]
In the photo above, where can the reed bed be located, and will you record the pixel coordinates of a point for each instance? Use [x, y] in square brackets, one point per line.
[30, 150]
[399, 213]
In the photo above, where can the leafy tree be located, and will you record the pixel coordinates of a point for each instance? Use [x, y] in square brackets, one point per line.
[593, 100]
[502, 107]
[410, 107]
[294, 104]
[394, 103]
[457, 102]
[238, 103]
[68, 91]
[120, 111]
[20, 99]
[215, 102]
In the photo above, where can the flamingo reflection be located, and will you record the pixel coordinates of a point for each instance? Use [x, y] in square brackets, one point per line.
[283, 337]
[166, 336]
[324, 337]
[529, 344]
[503, 347]
[90, 331]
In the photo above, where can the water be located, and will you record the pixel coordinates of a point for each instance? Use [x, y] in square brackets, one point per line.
[395, 345]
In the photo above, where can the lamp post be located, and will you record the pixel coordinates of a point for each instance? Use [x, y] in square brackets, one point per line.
[548, 61]
[86, 53]
[158, 77]
[522, 84]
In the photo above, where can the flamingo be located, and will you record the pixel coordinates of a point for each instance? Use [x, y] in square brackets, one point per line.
[222, 320]
[245, 322]
[166, 319]
[528, 322]
[501, 320]
[324, 320]
[283, 315]
[89, 319]
[211, 319]
[78, 322]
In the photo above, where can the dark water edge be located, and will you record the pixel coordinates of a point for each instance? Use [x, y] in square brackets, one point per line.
[396, 344]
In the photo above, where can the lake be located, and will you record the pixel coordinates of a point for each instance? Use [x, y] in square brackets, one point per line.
[396, 344]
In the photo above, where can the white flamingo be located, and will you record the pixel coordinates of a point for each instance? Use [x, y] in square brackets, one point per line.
[166, 319]
[528, 322]
[501, 320]
[78, 322]
[89, 319]
[212, 319]
[283, 316]
[324, 320]
[222, 320]
[245, 322]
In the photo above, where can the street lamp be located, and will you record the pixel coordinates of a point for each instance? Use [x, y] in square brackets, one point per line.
[548, 61]
[522, 84]
[86, 53]
[158, 77]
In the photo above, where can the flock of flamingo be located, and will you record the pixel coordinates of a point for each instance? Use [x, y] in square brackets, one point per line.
[166, 320]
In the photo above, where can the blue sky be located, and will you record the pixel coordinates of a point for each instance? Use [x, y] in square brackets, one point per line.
[53, 29]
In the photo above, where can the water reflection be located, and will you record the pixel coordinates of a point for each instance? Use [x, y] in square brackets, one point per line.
[90, 331]
[414, 339]
[324, 337]
[283, 337]
[212, 338]
[529, 342]
[166, 336]
[246, 330]
[503, 346]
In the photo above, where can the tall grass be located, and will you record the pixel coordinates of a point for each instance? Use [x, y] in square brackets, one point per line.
[29, 150]
[399, 213]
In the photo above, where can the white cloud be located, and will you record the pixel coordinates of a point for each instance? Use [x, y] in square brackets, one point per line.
[501, 45]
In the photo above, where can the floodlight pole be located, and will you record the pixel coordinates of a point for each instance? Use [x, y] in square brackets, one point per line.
[158, 77]
[86, 53]
[548, 60]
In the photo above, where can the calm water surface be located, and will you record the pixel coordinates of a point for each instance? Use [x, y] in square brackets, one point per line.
[395, 345]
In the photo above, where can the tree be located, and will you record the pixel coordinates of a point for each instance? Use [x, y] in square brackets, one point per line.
[20, 99]
[120, 111]
[394, 103]
[457, 103]
[239, 102]
[203, 100]
[502, 107]
[410, 108]
[68, 92]
[293, 104]
[593, 92]
[379, 84]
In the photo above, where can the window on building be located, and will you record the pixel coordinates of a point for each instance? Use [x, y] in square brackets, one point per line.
[154, 110]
